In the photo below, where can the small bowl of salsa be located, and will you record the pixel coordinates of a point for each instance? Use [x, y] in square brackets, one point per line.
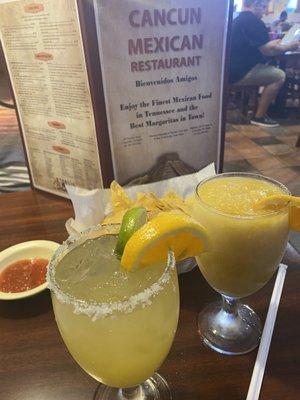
[23, 269]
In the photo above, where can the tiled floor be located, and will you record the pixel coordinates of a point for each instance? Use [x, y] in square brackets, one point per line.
[271, 152]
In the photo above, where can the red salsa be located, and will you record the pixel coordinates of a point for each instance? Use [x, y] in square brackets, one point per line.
[23, 275]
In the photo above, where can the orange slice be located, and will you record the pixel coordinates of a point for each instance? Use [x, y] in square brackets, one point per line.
[278, 201]
[168, 230]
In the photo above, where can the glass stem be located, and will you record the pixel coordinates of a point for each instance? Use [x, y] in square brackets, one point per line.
[230, 305]
[130, 393]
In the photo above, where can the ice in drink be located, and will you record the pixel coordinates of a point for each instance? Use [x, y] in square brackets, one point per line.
[118, 325]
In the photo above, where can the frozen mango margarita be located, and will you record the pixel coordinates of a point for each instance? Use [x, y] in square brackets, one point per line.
[247, 218]
[247, 243]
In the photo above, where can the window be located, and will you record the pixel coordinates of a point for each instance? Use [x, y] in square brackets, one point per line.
[292, 5]
[238, 4]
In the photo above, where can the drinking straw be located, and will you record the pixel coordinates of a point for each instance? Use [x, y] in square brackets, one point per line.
[263, 350]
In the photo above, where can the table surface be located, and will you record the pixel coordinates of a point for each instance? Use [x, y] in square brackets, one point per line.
[35, 364]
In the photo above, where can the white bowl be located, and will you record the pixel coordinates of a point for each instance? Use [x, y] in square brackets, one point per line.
[32, 249]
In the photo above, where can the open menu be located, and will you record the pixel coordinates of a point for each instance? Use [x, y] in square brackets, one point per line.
[104, 89]
[43, 47]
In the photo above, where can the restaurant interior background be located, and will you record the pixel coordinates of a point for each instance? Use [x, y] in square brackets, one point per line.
[274, 152]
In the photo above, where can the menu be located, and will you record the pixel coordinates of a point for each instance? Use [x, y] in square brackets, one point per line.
[43, 46]
[163, 68]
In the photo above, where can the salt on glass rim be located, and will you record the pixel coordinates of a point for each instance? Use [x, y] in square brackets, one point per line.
[94, 309]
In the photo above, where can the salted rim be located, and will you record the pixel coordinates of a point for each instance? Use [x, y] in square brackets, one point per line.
[92, 308]
[241, 174]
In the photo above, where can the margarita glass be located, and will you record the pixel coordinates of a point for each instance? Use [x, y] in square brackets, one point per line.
[117, 325]
[246, 247]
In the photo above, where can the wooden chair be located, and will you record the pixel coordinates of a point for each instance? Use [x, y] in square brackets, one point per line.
[246, 98]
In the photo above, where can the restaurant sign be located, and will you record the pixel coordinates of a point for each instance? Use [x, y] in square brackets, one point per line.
[163, 67]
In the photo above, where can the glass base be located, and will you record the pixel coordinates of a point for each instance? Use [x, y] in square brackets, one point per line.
[229, 333]
[154, 388]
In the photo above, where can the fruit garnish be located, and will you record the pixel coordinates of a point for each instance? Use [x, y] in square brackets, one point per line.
[168, 230]
[131, 222]
[277, 202]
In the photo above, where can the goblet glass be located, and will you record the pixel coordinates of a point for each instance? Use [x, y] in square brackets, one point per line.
[245, 250]
[117, 325]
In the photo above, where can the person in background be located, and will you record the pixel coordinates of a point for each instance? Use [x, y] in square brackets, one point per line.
[282, 23]
[250, 48]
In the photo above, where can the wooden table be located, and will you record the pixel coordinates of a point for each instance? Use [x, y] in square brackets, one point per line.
[35, 364]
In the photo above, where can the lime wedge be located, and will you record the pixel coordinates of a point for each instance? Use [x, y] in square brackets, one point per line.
[133, 220]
